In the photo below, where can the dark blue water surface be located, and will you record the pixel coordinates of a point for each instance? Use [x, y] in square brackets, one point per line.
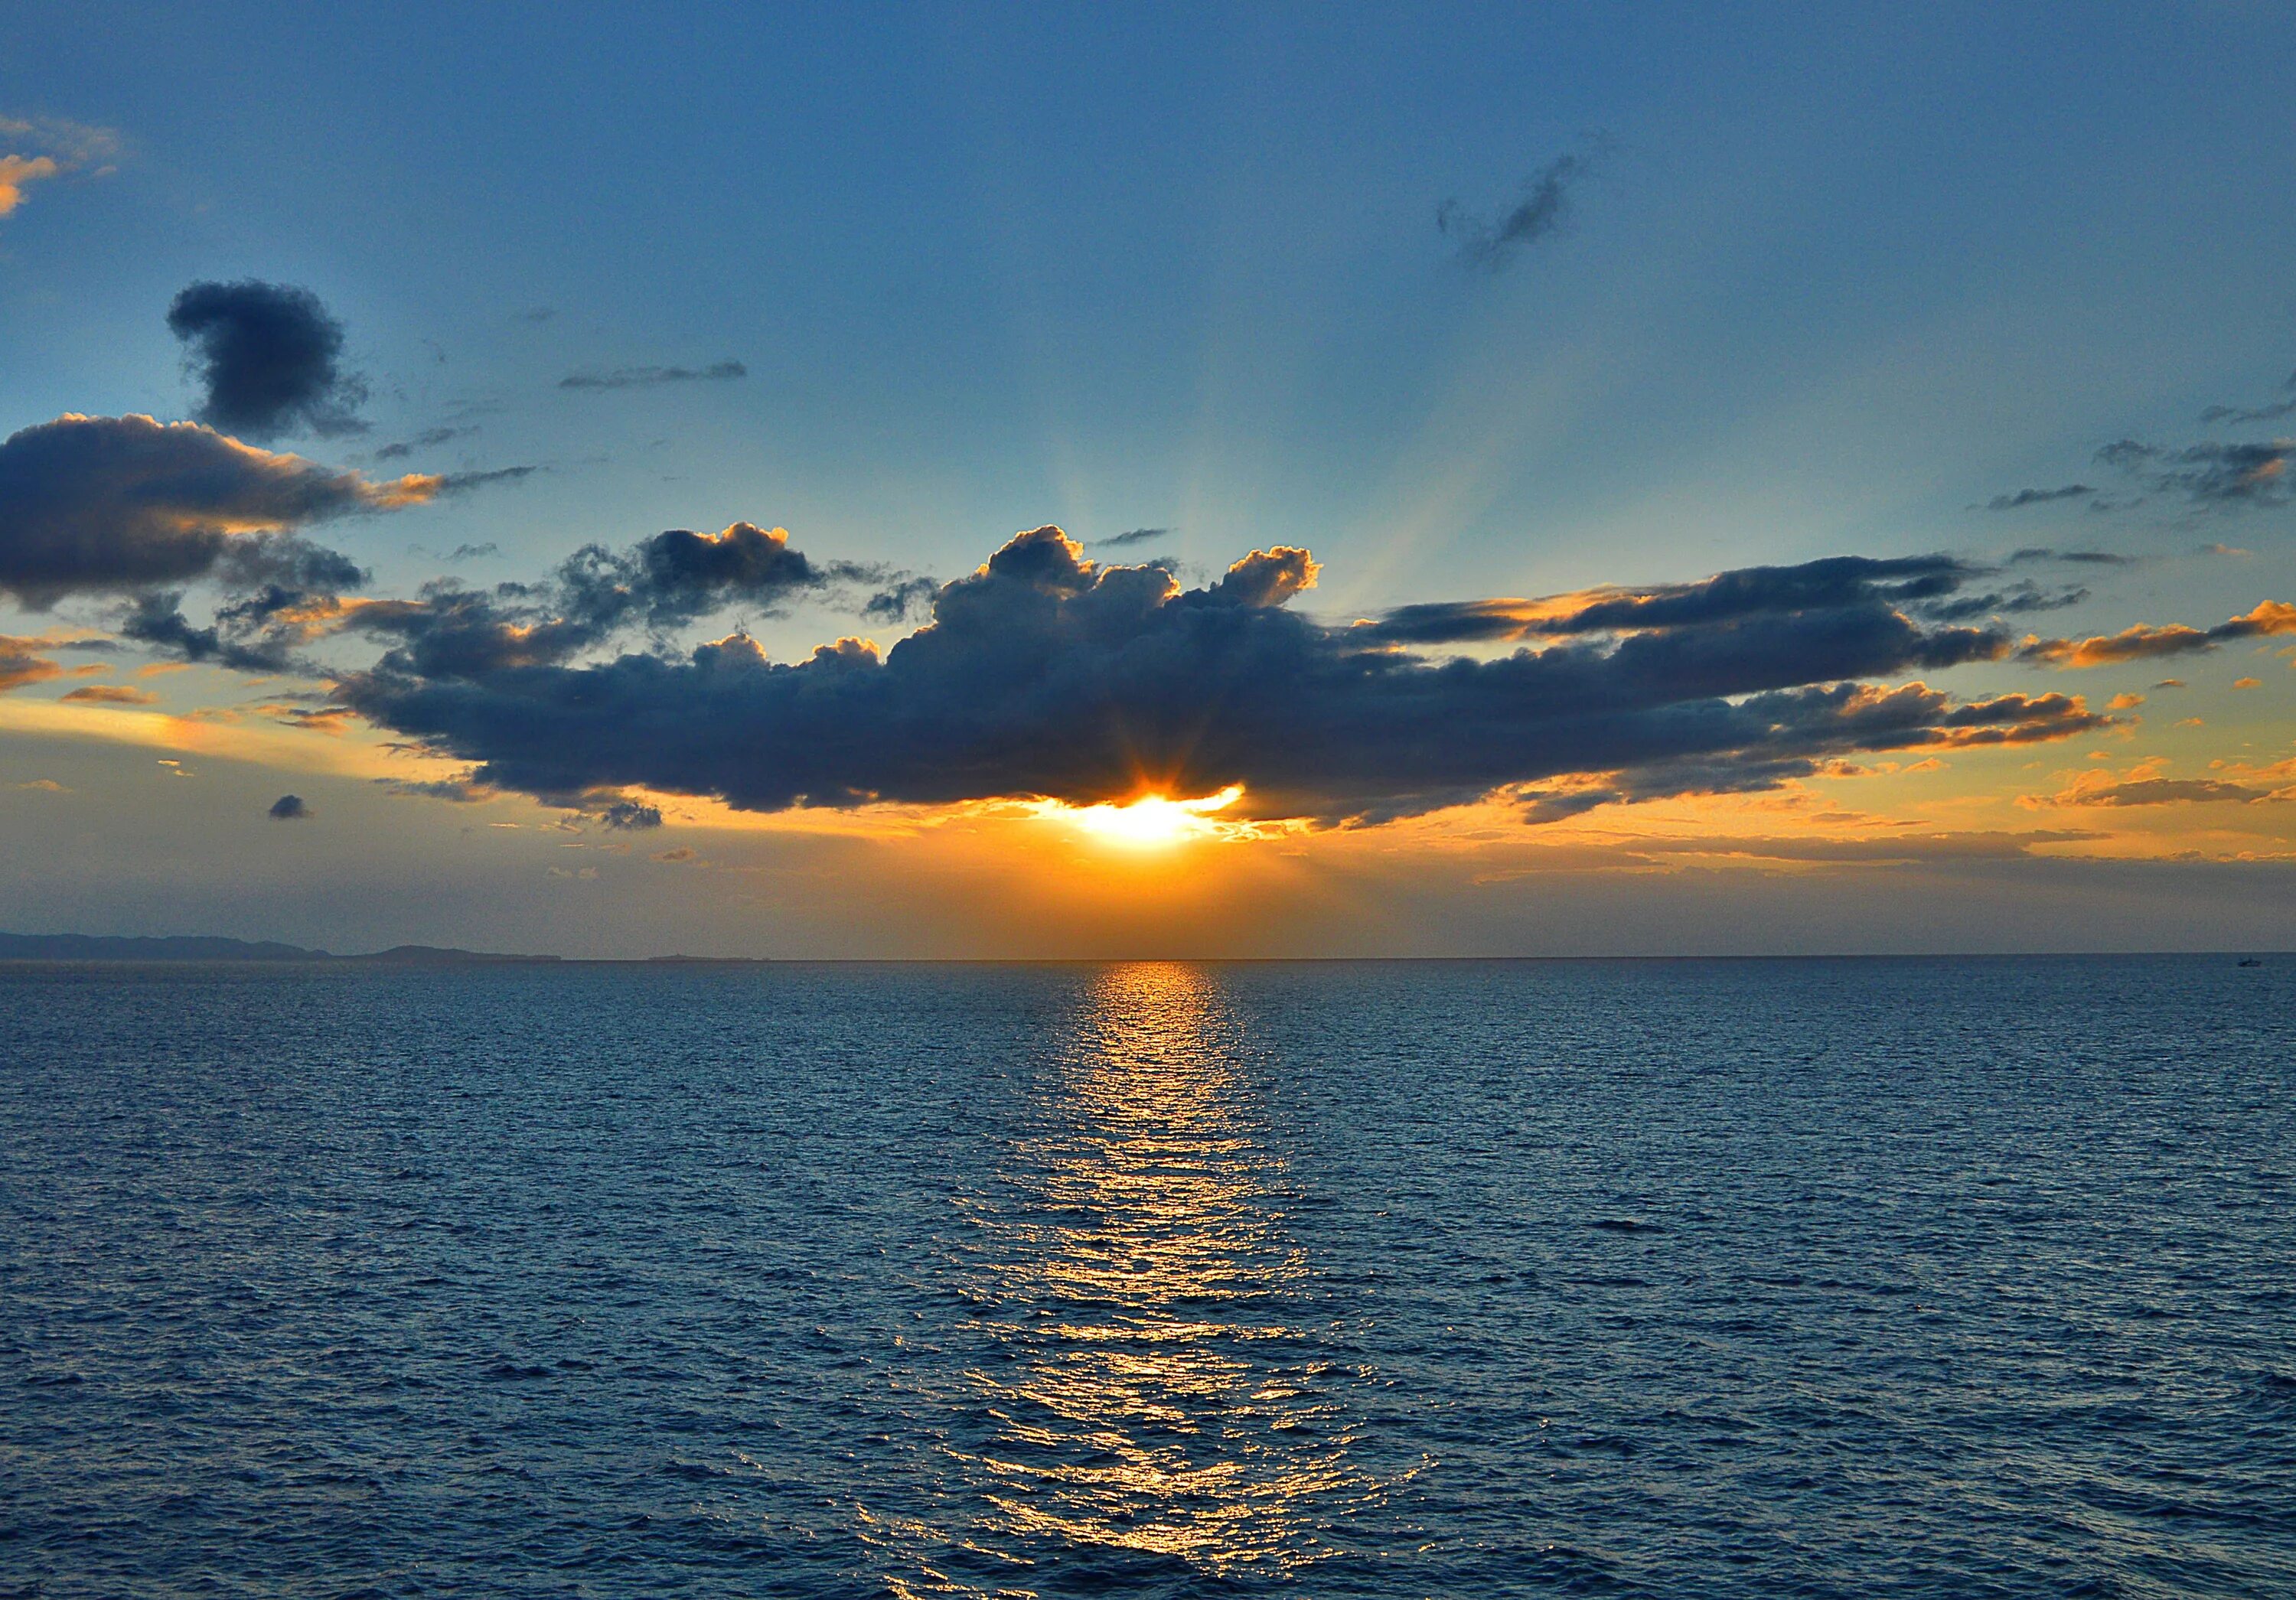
[1944, 1278]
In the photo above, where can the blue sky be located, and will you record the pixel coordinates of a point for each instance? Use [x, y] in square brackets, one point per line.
[1835, 277]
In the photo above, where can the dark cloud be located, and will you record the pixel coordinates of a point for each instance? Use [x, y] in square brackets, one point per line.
[632, 814]
[2037, 497]
[648, 377]
[1490, 244]
[1044, 675]
[473, 552]
[2145, 641]
[97, 504]
[288, 808]
[1872, 590]
[270, 358]
[663, 583]
[2210, 474]
[458, 483]
[429, 438]
[537, 314]
[1137, 536]
[2090, 558]
[2272, 411]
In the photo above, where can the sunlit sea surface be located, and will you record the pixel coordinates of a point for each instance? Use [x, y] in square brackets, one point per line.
[1952, 1278]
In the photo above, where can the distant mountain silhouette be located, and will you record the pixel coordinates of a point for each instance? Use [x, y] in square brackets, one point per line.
[96, 946]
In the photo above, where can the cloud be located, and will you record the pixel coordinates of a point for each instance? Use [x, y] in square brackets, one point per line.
[2143, 642]
[473, 552]
[458, 483]
[2091, 558]
[631, 815]
[92, 505]
[288, 808]
[429, 438]
[20, 662]
[1859, 592]
[111, 695]
[665, 582]
[460, 792]
[1137, 536]
[2272, 411]
[41, 150]
[649, 377]
[270, 358]
[1044, 675]
[2157, 792]
[2211, 473]
[2037, 497]
[1489, 244]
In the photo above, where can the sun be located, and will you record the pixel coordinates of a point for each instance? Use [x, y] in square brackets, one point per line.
[1152, 822]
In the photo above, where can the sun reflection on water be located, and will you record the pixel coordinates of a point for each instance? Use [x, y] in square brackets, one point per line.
[1156, 1396]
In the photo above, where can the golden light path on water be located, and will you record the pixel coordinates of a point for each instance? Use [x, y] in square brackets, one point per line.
[1161, 1402]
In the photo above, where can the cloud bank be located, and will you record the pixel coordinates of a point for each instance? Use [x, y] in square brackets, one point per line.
[1045, 675]
[94, 505]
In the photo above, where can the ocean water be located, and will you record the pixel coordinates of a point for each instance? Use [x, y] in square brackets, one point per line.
[1953, 1278]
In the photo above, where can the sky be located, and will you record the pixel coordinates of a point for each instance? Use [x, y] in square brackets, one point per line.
[1581, 480]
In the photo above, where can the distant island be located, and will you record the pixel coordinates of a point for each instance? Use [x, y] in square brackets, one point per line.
[97, 947]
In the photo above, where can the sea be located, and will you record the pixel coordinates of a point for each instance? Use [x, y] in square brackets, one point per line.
[1675, 1279]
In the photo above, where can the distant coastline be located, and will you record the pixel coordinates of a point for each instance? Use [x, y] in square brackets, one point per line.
[101, 947]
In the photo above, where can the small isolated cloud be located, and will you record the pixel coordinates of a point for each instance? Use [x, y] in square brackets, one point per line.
[2024, 497]
[2169, 682]
[288, 808]
[1489, 243]
[536, 314]
[41, 150]
[2124, 702]
[473, 552]
[649, 377]
[2079, 558]
[112, 695]
[2271, 411]
[43, 786]
[678, 856]
[270, 358]
[633, 815]
[461, 483]
[1137, 536]
[94, 505]
[2232, 550]
[429, 438]
[2248, 683]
